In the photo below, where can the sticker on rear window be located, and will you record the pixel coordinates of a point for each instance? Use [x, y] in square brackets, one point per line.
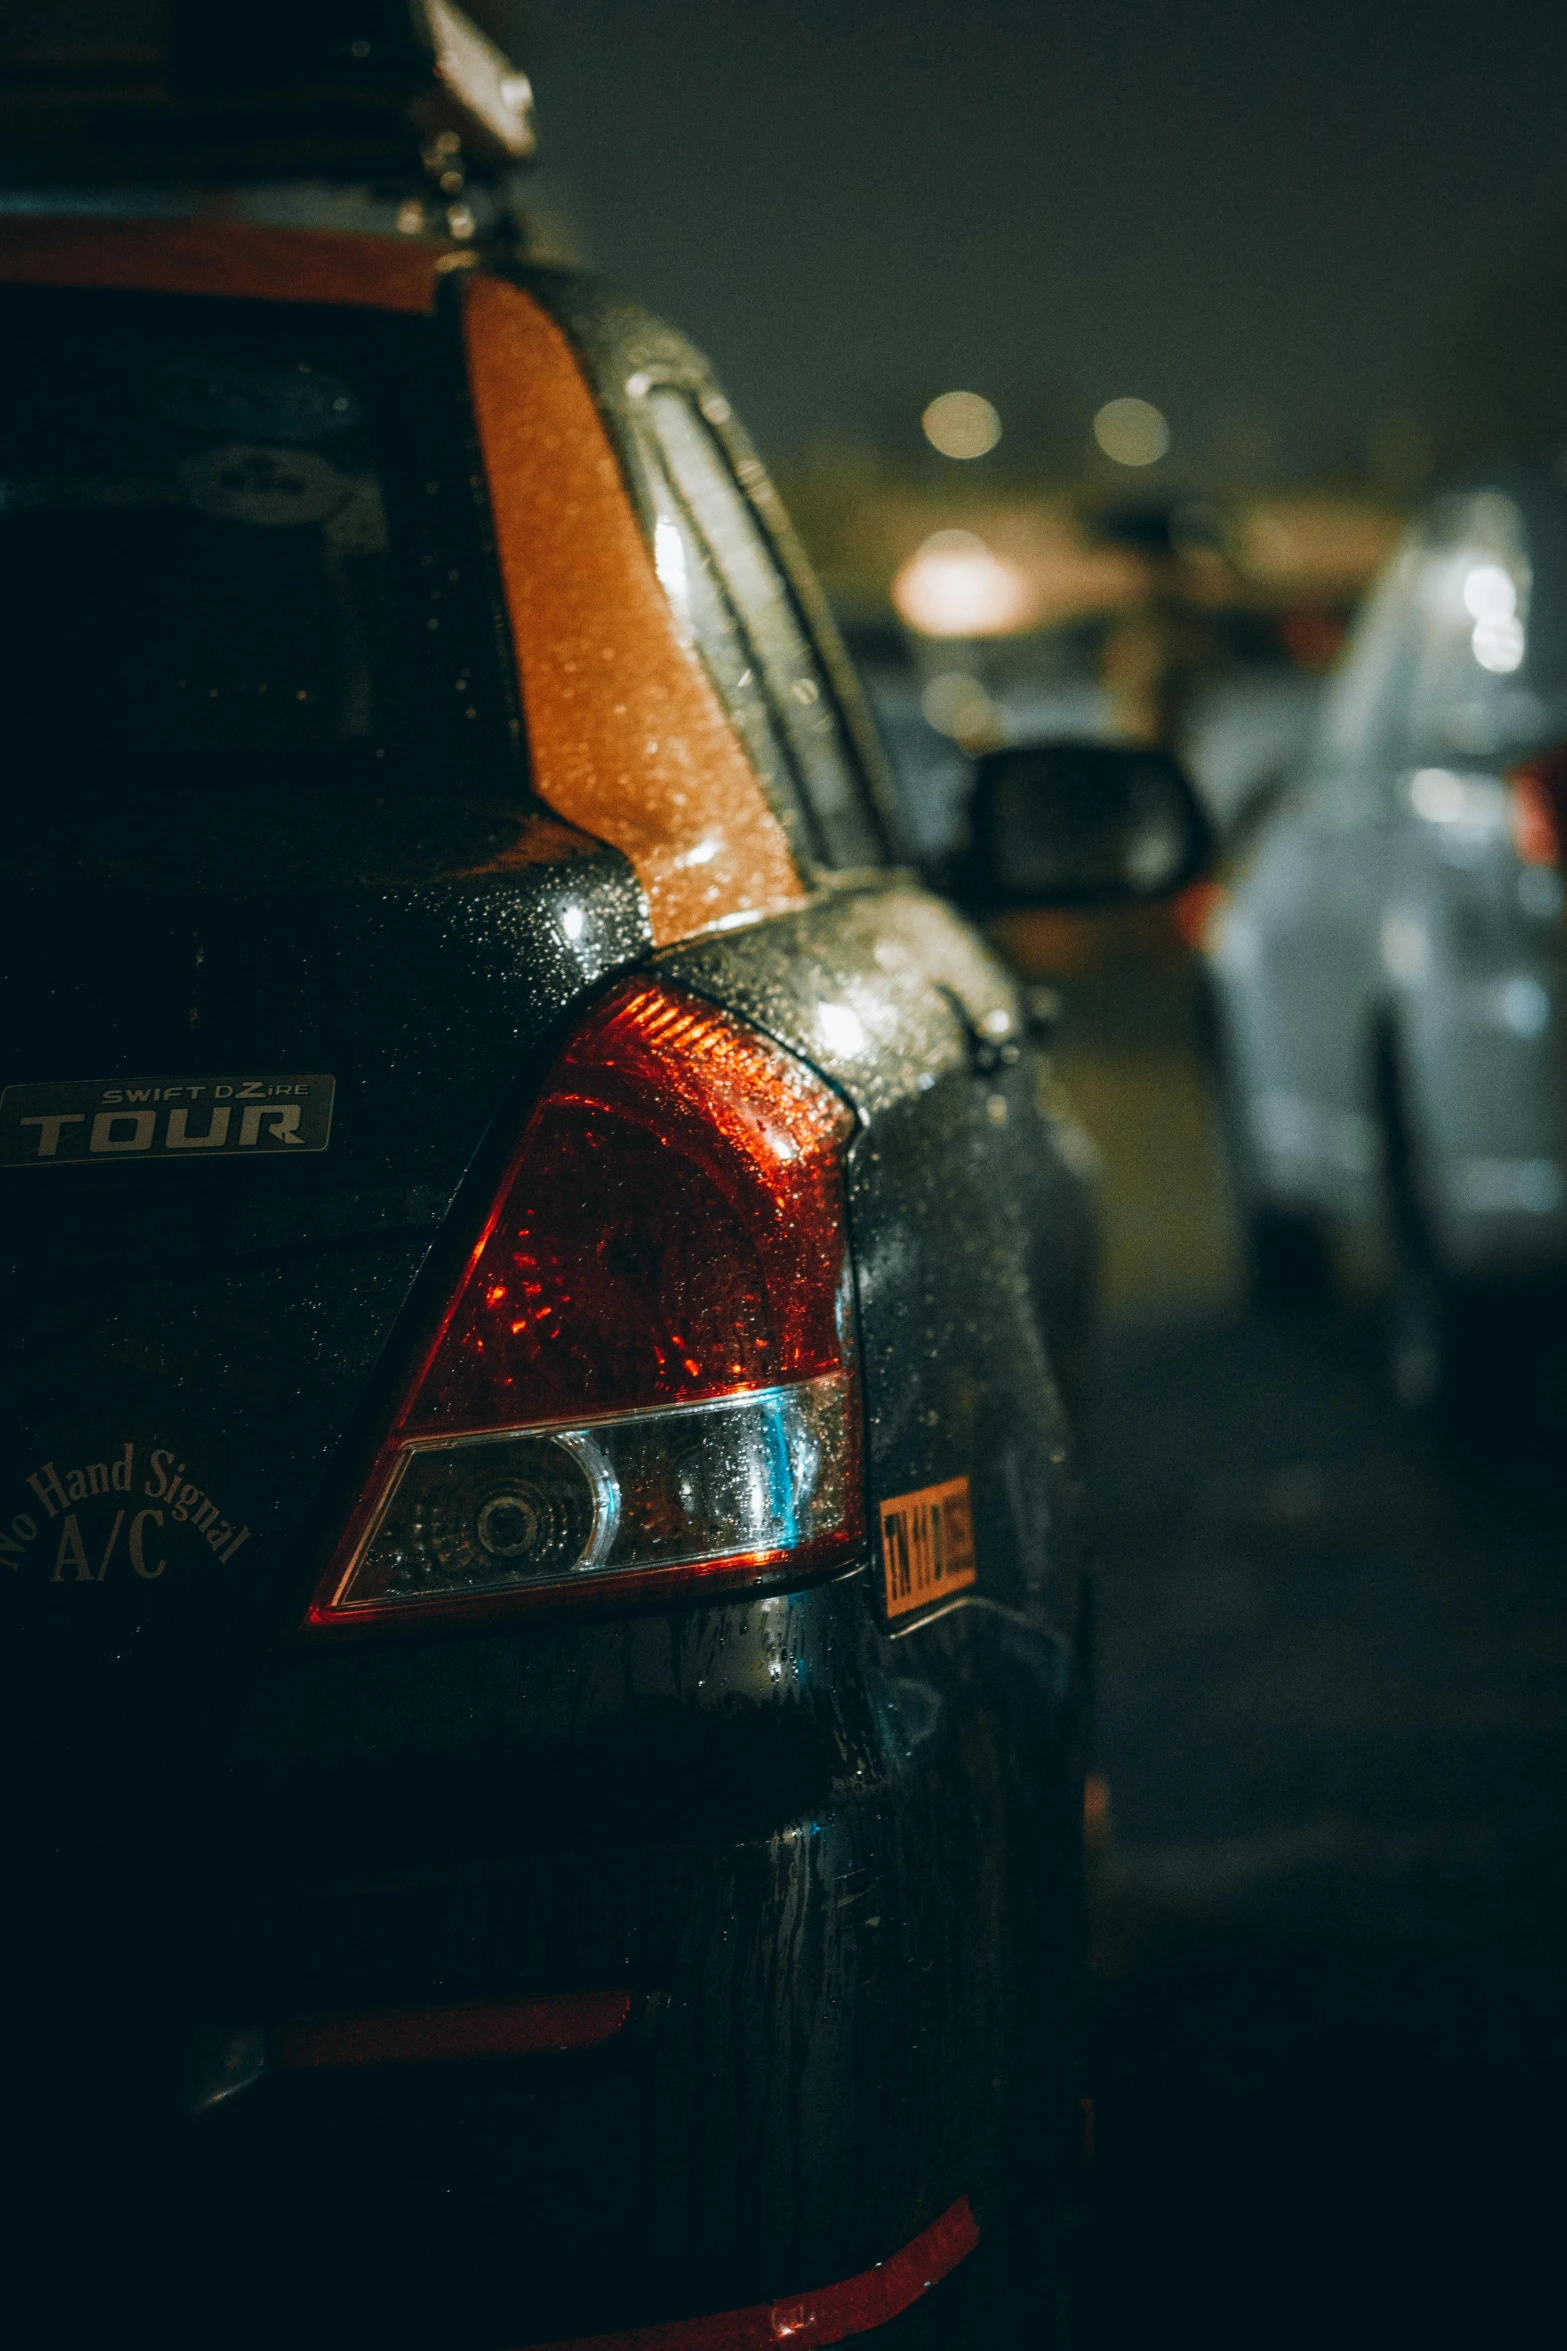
[927, 1545]
[113, 1120]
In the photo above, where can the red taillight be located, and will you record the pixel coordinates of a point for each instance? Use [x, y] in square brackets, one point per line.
[1198, 912]
[1537, 809]
[645, 1378]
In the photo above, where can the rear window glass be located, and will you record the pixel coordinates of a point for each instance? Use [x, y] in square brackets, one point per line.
[755, 643]
[239, 545]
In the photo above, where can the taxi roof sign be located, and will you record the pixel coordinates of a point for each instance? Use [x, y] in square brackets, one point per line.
[190, 92]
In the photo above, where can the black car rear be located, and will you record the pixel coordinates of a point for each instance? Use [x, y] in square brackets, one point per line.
[548, 1958]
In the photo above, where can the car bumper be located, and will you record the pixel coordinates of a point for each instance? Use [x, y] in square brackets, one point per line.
[793, 1909]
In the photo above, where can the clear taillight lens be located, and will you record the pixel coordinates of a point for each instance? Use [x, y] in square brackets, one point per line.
[761, 1476]
[645, 1379]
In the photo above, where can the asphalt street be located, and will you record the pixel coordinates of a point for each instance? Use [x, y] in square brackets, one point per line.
[1328, 2034]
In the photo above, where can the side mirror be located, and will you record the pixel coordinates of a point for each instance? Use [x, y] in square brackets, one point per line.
[1080, 824]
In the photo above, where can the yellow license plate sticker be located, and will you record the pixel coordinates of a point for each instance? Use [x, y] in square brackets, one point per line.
[927, 1545]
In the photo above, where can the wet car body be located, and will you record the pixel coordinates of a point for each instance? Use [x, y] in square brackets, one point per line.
[1388, 967]
[776, 1895]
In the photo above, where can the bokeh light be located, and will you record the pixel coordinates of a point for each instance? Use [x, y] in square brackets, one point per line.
[954, 586]
[1489, 593]
[962, 424]
[1491, 600]
[1132, 432]
[956, 704]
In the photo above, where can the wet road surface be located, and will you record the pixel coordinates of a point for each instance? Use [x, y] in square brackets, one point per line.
[1328, 2049]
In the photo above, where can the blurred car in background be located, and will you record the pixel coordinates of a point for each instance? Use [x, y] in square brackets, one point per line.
[1386, 960]
[935, 705]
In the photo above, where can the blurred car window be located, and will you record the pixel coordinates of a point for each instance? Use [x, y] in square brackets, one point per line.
[841, 830]
[1357, 713]
[237, 570]
[1443, 662]
[1467, 696]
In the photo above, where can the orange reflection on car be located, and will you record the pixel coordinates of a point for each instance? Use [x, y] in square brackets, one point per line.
[627, 735]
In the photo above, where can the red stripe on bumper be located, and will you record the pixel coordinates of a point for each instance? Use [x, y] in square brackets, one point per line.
[826, 2316]
[429, 2036]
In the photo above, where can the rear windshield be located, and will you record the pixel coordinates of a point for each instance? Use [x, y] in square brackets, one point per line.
[240, 545]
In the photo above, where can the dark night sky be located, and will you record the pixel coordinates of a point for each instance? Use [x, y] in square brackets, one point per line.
[1240, 212]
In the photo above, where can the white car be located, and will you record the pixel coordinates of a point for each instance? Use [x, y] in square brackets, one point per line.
[1387, 958]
